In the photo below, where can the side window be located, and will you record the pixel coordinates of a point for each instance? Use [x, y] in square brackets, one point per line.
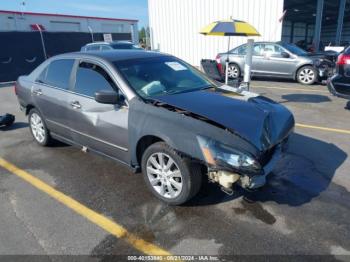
[242, 50]
[273, 50]
[92, 78]
[93, 48]
[57, 73]
[258, 50]
[42, 76]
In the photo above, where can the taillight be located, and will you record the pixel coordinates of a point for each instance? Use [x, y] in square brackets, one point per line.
[343, 59]
[218, 63]
[15, 88]
[218, 59]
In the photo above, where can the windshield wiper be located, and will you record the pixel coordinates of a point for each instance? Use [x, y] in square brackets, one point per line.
[173, 92]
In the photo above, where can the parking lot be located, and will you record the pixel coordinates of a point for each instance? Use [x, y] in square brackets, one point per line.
[61, 201]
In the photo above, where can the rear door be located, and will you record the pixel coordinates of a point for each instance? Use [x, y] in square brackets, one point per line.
[100, 127]
[50, 95]
[239, 54]
[257, 62]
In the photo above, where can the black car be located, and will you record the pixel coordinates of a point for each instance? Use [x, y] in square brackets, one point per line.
[156, 114]
[339, 84]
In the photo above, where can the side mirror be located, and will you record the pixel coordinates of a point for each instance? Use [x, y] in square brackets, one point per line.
[108, 97]
[285, 55]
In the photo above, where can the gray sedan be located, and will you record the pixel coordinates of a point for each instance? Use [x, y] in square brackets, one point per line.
[156, 114]
[280, 60]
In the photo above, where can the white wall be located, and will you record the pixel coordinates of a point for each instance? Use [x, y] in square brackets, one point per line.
[16, 22]
[175, 25]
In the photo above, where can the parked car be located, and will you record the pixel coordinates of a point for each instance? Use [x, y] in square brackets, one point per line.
[339, 84]
[156, 114]
[281, 60]
[105, 46]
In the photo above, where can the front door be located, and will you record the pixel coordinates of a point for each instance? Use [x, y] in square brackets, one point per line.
[275, 64]
[99, 127]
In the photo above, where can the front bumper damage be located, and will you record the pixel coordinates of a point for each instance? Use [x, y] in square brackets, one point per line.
[226, 179]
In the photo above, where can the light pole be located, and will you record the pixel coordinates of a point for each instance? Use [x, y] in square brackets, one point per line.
[92, 33]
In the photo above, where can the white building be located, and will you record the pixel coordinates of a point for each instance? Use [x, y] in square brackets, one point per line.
[27, 21]
[175, 24]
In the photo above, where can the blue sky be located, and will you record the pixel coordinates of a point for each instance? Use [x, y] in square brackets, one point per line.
[134, 9]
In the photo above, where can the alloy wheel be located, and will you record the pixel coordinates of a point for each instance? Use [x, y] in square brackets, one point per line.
[306, 76]
[164, 175]
[233, 71]
[37, 127]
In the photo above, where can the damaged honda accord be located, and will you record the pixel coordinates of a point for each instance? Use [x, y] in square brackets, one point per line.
[158, 115]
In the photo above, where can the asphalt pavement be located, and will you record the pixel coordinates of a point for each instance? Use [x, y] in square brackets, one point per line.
[304, 209]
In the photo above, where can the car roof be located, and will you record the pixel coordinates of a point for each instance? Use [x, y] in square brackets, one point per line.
[114, 55]
[109, 43]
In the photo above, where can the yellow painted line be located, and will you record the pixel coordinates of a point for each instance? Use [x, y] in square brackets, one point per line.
[96, 218]
[292, 89]
[342, 131]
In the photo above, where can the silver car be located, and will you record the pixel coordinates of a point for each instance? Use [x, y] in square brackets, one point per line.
[281, 60]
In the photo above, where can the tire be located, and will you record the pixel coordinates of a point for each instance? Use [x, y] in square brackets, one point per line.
[307, 75]
[234, 71]
[38, 128]
[182, 172]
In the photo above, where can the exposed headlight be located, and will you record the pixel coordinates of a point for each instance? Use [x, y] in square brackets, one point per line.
[221, 155]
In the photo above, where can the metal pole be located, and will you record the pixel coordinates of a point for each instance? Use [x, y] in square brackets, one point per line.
[248, 61]
[341, 12]
[227, 60]
[318, 24]
[92, 34]
[42, 41]
[306, 34]
[291, 37]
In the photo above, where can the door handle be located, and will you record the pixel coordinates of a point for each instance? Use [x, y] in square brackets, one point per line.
[75, 104]
[37, 92]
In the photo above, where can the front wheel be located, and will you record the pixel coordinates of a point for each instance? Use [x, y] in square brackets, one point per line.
[172, 178]
[307, 75]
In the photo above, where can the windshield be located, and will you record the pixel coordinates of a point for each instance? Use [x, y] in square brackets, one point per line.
[125, 46]
[151, 77]
[294, 49]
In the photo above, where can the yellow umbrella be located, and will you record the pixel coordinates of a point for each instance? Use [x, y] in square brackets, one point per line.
[232, 28]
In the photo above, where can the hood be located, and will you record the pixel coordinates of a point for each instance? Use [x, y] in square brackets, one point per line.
[329, 55]
[256, 119]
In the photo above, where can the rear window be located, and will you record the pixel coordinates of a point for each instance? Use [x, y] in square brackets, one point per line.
[93, 48]
[125, 46]
[57, 73]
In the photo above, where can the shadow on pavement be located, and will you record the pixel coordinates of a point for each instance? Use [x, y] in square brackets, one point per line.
[305, 98]
[14, 126]
[305, 171]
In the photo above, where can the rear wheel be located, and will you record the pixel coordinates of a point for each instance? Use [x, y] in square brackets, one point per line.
[307, 75]
[170, 177]
[234, 71]
[38, 128]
